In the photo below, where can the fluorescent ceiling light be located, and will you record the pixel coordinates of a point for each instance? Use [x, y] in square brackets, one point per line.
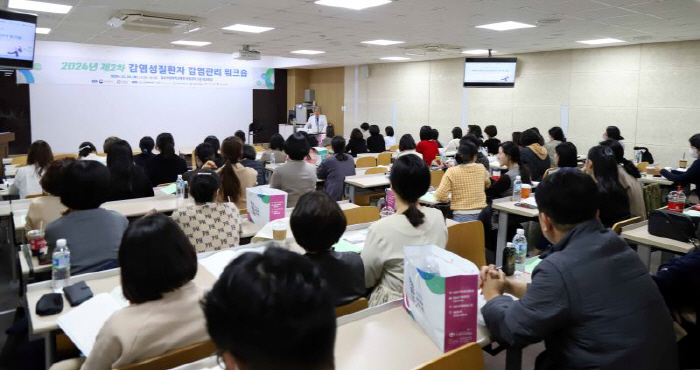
[43, 31]
[395, 58]
[191, 43]
[478, 52]
[505, 26]
[247, 28]
[383, 42]
[193, 30]
[39, 6]
[600, 41]
[307, 52]
[353, 4]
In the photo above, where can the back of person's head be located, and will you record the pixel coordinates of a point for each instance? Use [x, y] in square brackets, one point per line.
[410, 180]
[316, 211]
[364, 126]
[241, 135]
[204, 152]
[297, 146]
[567, 155]
[557, 133]
[204, 185]
[40, 155]
[619, 152]
[457, 133]
[512, 151]
[407, 143]
[155, 258]
[426, 133]
[374, 130]
[356, 134]
[491, 131]
[214, 142]
[516, 136]
[146, 144]
[604, 168]
[475, 130]
[568, 197]
[277, 142]
[166, 144]
[86, 148]
[231, 149]
[389, 131]
[436, 134]
[108, 142]
[51, 180]
[84, 185]
[272, 310]
[120, 161]
[529, 137]
[471, 138]
[338, 146]
[695, 141]
[466, 153]
[613, 133]
[330, 131]
[313, 140]
[248, 152]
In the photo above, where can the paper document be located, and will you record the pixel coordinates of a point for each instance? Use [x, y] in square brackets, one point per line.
[170, 189]
[531, 263]
[530, 200]
[217, 262]
[429, 197]
[345, 246]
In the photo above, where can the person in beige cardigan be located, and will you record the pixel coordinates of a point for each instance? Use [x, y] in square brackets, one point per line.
[158, 264]
[412, 224]
[47, 208]
[234, 177]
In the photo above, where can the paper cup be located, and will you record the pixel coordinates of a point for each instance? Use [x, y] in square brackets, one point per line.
[526, 190]
[279, 230]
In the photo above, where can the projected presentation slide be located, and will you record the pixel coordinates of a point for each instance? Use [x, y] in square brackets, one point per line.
[489, 72]
[17, 39]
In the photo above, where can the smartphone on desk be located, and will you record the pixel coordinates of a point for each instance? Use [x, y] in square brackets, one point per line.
[525, 205]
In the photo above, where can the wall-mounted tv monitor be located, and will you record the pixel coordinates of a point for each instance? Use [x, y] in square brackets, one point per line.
[489, 72]
[17, 37]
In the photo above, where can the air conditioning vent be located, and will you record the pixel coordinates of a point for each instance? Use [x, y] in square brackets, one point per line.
[153, 22]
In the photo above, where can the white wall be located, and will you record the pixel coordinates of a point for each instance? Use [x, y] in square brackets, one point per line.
[649, 91]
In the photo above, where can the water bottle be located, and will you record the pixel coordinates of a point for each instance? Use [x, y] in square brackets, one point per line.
[443, 160]
[520, 245]
[639, 157]
[517, 189]
[60, 266]
[180, 187]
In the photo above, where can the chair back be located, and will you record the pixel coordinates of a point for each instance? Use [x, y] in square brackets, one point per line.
[549, 170]
[352, 307]
[617, 228]
[384, 159]
[30, 196]
[259, 148]
[652, 197]
[58, 157]
[467, 241]
[363, 162]
[642, 166]
[375, 170]
[394, 148]
[436, 177]
[361, 215]
[20, 160]
[466, 357]
[175, 358]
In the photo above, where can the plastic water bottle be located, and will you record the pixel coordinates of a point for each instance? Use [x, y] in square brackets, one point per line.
[443, 159]
[517, 189]
[180, 187]
[60, 266]
[520, 244]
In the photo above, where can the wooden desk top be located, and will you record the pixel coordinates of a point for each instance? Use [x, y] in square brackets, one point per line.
[506, 205]
[639, 233]
[367, 181]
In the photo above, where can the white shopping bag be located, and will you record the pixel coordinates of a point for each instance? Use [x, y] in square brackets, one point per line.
[265, 204]
[441, 294]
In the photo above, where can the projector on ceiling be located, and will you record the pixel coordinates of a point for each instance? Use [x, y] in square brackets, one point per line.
[246, 53]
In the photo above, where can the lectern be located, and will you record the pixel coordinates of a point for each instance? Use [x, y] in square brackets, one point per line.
[5, 139]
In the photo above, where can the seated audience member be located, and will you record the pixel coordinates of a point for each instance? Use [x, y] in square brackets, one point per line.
[611, 319]
[556, 137]
[87, 151]
[692, 175]
[679, 283]
[436, 135]
[43, 210]
[272, 310]
[389, 138]
[164, 167]
[204, 159]
[491, 143]
[357, 143]
[127, 180]
[248, 160]
[296, 177]
[480, 157]
[467, 182]
[614, 203]
[209, 225]
[407, 146]
[146, 144]
[410, 225]
[375, 141]
[108, 142]
[312, 139]
[427, 147]
[540, 138]
[235, 178]
[508, 156]
[613, 133]
[276, 150]
[312, 157]
[335, 168]
[533, 155]
[475, 130]
[27, 178]
[158, 265]
[628, 175]
[565, 155]
[241, 135]
[343, 271]
[93, 233]
[515, 137]
[453, 144]
[215, 145]
[330, 134]
[365, 130]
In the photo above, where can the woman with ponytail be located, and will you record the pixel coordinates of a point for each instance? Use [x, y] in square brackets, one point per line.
[164, 167]
[412, 224]
[627, 175]
[234, 177]
[613, 201]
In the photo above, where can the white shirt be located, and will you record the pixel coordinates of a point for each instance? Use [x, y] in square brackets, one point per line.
[26, 182]
[314, 127]
[389, 141]
[95, 157]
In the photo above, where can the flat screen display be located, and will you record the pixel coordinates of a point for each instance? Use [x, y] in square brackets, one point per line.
[17, 37]
[489, 72]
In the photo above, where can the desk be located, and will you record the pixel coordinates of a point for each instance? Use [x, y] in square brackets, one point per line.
[264, 232]
[639, 233]
[365, 182]
[646, 179]
[506, 206]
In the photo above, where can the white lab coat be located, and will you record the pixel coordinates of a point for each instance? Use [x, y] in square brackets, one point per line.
[311, 127]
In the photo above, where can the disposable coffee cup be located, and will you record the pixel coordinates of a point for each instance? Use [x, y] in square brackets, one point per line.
[682, 163]
[279, 231]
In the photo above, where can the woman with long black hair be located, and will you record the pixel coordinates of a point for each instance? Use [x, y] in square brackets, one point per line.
[127, 180]
[613, 201]
[164, 167]
[628, 175]
[28, 178]
[234, 177]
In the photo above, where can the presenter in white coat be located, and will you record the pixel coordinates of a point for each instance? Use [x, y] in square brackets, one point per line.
[316, 124]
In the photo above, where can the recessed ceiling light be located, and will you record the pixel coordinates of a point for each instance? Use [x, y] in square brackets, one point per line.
[383, 42]
[353, 4]
[478, 52]
[505, 26]
[247, 28]
[307, 52]
[193, 30]
[600, 41]
[395, 58]
[191, 43]
[43, 31]
[39, 6]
